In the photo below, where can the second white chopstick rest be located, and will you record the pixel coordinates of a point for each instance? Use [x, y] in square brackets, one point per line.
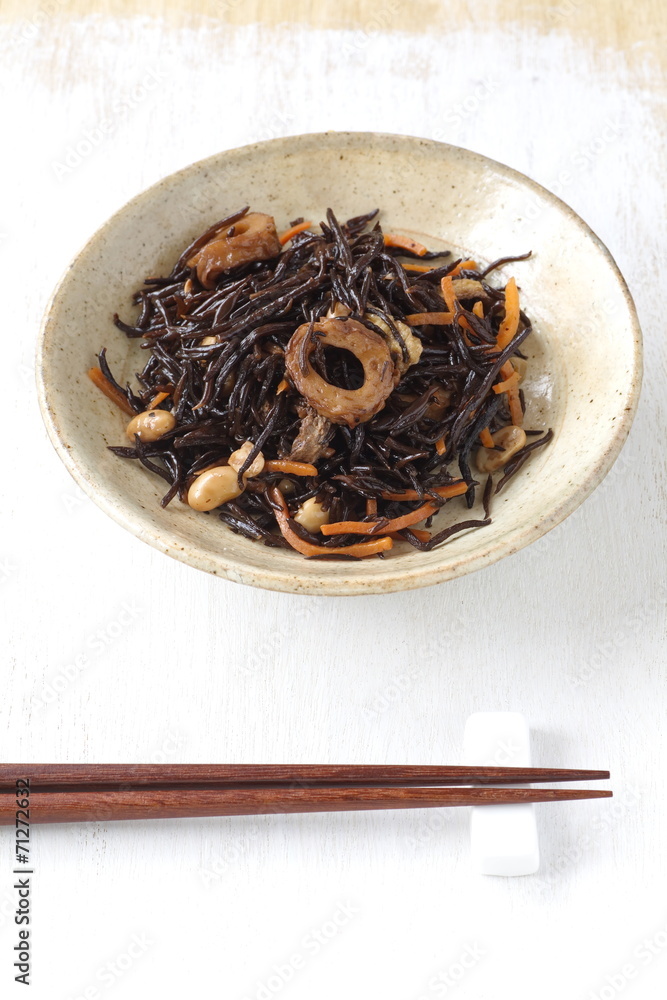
[503, 839]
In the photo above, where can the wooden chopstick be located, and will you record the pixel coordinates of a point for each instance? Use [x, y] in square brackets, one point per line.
[76, 776]
[163, 803]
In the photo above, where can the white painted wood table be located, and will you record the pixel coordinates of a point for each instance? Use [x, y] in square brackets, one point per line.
[114, 652]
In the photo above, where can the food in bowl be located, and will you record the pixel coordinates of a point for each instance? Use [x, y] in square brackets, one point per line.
[327, 390]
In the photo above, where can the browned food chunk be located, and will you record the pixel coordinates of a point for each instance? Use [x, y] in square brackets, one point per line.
[311, 441]
[341, 406]
[468, 288]
[254, 237]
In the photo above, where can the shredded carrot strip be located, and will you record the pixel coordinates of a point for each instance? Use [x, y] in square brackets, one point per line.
[110, 391]
[516, 411]
[160, 398]
[359, 550]
[371, 507]
[422, 268]
[397, 523]
[434, 318]
[510, 323]
[514, 400]
[448, 294]
[465, 265]
[509, 383]
[282, 385]
[478, 309]
[440, 446]
[486, 439]
[405, 243]
[290, 468]
[370, 527]
[419, 533]
[452, 490]
[293, 231]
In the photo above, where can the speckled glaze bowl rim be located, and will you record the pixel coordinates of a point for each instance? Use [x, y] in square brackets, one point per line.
[394, 578]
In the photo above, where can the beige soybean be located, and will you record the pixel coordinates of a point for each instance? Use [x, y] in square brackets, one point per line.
[286, 487]
[510, 439]
[311, 515]
[214, 487]
[150, 425]
[238, 457]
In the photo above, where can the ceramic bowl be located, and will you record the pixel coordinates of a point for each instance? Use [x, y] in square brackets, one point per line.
[584, 355]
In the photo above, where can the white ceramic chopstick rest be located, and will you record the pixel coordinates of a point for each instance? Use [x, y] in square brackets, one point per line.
[503, 839]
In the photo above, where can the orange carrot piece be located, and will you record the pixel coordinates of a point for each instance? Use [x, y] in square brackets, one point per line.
[452, 490]
[360, 550]
[448, 294]
[160, 398]
[486, 439]
[110, 391]
[290, 468]
[509, 383]
[510, 323]
[421, 268]
[434, 318]
[282, 385]
[353, 528]
[371, 507]
[405, 243]
[516, 411]
[513, 398]
[465, 265]
[372, 527]
[440, 446]
[420, 534]
[293, 231]
[478, 309]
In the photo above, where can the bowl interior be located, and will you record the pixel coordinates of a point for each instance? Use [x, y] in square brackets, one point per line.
[584, 355]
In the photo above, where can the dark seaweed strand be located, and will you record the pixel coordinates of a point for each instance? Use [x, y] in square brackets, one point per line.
[454, 529]
[486, 496]
[503, 260]
[132, 399]
[225, 393]
[521, 458]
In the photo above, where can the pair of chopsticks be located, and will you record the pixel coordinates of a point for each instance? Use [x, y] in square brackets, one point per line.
[75, 793]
